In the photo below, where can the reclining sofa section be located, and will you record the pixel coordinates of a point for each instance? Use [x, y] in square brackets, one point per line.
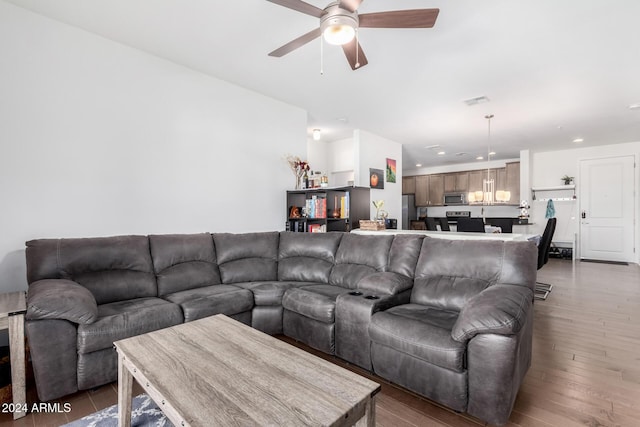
[450, 320]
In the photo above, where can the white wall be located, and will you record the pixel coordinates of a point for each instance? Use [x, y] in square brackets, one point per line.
[100, 139]
[341, 161]
[317, 155]
[547, 169]
[372, 151]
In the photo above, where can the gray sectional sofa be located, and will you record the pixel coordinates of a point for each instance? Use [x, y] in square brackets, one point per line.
[448, 319]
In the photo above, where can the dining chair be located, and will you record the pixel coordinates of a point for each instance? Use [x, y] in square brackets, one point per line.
[475, 225]
[444, 224]
[544, 247]
[431, 223]
[505, 224]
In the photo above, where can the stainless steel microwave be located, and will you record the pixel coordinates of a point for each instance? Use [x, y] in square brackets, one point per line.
[451, 199]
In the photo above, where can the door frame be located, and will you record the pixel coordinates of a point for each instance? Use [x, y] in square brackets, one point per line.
[636, 201]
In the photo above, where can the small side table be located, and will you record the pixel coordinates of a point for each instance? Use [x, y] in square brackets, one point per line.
[12, 309]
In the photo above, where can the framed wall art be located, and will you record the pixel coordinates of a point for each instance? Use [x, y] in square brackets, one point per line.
[376, 178]
[391, 170]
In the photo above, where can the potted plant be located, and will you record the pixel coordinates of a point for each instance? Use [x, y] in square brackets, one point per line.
[378, 204]
[568, 180]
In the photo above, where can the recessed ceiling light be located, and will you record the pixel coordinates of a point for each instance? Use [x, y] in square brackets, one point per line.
[492, 153]
[343, 119]
[578, 140]
[479, 158]
[635, 106]
[441, 153]
[418, 165]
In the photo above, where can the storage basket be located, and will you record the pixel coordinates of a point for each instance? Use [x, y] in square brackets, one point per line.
[367, 224]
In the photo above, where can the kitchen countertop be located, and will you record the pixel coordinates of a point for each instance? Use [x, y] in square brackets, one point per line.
[453, 235]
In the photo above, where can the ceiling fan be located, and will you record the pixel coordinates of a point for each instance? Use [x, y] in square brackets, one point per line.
[339, 22]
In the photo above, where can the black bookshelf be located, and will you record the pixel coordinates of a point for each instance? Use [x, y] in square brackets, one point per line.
[319, 204]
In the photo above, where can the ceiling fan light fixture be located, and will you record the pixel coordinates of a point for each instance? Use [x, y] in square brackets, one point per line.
[339, 30]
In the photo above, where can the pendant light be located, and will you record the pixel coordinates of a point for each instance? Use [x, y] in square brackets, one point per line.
[488, 184]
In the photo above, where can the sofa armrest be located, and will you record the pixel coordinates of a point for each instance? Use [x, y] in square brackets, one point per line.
[61, 299]
[385, 283]
[499, 309]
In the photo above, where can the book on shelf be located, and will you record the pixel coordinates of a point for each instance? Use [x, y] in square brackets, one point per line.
[347, 204]
[316, 207]
[344, 206]
[317, 228]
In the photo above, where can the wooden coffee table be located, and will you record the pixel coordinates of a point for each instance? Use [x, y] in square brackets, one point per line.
[12, 309]
[217, 371]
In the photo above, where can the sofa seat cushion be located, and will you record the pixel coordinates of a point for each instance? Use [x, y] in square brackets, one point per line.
[123, 319]
[317, 302]
[209, 300]
[420, 331]
[270, 293]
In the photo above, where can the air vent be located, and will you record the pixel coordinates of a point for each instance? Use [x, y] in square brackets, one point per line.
[461, 154]
[475, 101]
[433, 147]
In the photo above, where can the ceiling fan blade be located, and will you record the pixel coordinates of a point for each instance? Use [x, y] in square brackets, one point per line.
[296, 43]
[300, 6]
[414, 18]
[350, 52]
[350, 5]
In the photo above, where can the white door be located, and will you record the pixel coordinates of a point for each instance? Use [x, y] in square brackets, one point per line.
[607, 209]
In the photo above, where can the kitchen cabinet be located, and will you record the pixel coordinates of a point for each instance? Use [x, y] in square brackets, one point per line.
[475, 180]
[436, 190]
[429, 190]
[456, 182]
[409, 185]
[513, 182]
[422, 190]
[500, 178]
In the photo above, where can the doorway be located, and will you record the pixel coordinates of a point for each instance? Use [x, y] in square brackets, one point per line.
[607, 209]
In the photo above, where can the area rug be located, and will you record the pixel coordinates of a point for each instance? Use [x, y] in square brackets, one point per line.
[144, 413]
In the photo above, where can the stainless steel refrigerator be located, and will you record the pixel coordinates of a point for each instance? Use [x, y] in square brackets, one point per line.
[408, 210]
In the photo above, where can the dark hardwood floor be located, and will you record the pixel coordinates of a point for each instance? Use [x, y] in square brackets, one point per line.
[585, 370]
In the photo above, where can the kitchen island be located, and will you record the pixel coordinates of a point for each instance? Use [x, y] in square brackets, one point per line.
[454, 235]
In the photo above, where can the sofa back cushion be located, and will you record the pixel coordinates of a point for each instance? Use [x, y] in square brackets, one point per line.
[307, 257]
[112, 268]
[183, 261]
[404, 253]
[358, 256]
[247, 257]
[449, 272]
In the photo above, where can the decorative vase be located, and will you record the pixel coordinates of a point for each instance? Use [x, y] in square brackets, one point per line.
[336, 210]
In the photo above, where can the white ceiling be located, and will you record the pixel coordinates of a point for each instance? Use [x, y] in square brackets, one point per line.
[553, 70]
